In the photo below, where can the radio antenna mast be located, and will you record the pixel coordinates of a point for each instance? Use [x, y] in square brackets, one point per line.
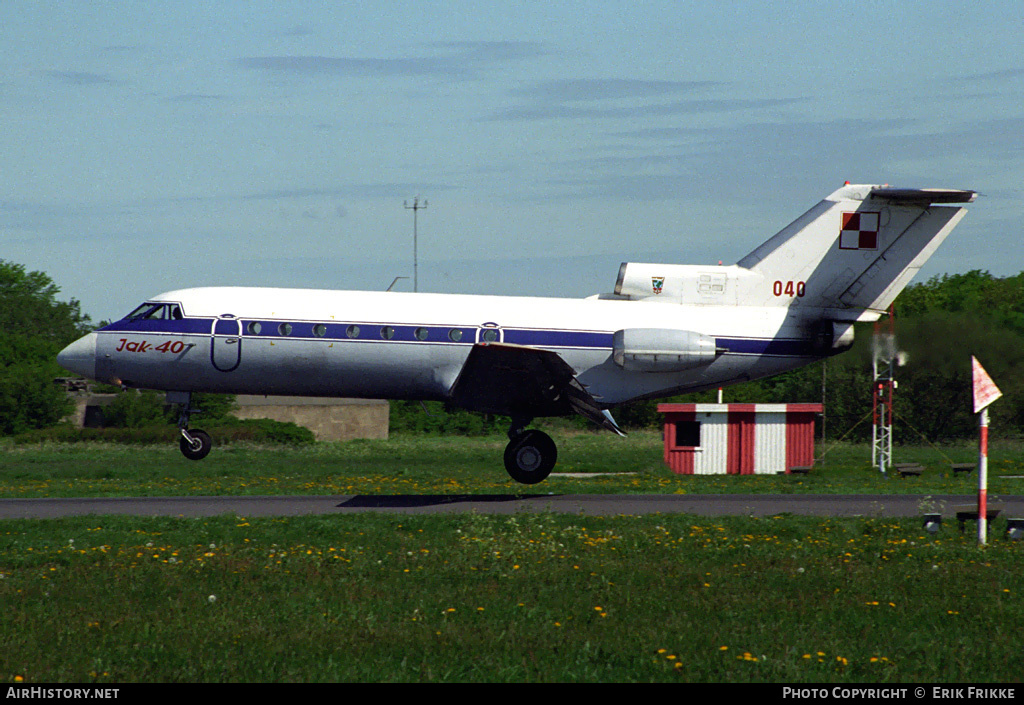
[416, 207]
[884, 356]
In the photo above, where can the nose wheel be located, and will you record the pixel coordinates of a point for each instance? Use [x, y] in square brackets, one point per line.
[530, 456]
[194, 444]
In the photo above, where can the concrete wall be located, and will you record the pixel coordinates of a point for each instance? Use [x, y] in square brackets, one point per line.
[88, 411]
[328, 419]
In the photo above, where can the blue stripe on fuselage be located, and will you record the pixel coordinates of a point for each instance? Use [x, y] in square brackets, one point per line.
[143, 325]
[541, 338]
[776, 347]
[558, 338]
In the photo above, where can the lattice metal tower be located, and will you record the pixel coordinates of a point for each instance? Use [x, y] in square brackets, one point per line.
[416, 207]
[883, 363]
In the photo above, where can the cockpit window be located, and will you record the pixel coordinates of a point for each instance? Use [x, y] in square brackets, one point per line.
[140, 312]
[156, 312]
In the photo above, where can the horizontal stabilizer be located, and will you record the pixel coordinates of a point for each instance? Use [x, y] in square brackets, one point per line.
[923, 196]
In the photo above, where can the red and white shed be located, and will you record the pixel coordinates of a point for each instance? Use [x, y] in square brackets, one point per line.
[738, 439]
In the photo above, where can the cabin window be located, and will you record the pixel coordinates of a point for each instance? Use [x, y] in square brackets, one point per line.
[489, 335]
[285, 329]
[352, 331]
[687, 434]
[319, 330]
[254, 328]
[422, 333]
[455, 335]
[387, 332]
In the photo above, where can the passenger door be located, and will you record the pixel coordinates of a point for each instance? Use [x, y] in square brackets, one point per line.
[226, 343]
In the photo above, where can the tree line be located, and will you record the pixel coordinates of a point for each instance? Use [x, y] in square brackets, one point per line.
[36, 325]
[938, 325]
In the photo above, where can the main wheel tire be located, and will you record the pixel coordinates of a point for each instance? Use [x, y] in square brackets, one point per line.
[530, 457]
[202, 448]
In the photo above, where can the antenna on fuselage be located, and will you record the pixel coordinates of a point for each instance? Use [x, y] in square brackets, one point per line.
[416, 207]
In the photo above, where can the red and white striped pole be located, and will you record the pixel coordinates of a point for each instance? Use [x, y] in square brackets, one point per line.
[983, 477]
[985, 392]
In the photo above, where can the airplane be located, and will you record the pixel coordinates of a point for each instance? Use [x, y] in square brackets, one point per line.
[666, 329]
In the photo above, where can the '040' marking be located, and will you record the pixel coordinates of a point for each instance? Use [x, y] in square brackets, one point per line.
[789, 288]
[135, 346]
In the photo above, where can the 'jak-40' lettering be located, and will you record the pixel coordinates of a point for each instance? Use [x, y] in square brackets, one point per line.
[135, 346]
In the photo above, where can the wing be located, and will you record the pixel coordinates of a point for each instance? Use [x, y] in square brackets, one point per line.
[517, 380]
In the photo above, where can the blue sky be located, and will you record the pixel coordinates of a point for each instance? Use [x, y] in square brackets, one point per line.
[154, 146]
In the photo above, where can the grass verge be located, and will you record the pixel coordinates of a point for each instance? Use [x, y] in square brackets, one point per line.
[531, 597]
[440, 465]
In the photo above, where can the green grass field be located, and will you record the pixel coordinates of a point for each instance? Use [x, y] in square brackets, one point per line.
[423, 464]
[532, 597]
[471, 597]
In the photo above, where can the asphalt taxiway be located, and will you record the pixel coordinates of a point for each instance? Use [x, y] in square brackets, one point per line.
[850, 505]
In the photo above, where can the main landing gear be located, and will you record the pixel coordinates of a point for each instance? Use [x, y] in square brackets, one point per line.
[194, 444]
[530, 455]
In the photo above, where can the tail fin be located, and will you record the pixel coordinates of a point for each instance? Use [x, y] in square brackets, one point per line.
[854, 251]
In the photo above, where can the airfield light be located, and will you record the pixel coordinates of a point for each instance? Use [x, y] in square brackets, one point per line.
[1015, 529]
[932, 523]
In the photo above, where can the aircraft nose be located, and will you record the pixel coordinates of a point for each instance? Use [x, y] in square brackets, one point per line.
[80, 356]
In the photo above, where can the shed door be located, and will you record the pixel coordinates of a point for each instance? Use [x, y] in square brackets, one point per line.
[741, 443]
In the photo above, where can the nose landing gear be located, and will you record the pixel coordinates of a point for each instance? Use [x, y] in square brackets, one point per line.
[194, 444]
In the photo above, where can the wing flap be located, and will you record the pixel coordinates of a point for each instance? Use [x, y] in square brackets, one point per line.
[518, 380]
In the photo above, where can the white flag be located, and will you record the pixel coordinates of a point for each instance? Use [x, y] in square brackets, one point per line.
[985, 390]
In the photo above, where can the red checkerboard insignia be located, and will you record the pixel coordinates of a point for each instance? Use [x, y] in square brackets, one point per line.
[859, 231]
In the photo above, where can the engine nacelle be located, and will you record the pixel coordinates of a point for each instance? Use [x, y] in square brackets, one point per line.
[661, 349]
[834, 336]
[697, 285]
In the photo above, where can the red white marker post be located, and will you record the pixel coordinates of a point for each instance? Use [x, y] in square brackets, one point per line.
[985, 392]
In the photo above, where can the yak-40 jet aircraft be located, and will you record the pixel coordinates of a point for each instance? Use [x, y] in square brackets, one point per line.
[666, 329]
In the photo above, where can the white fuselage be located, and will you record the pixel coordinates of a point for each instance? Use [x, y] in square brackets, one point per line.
[336, 343]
